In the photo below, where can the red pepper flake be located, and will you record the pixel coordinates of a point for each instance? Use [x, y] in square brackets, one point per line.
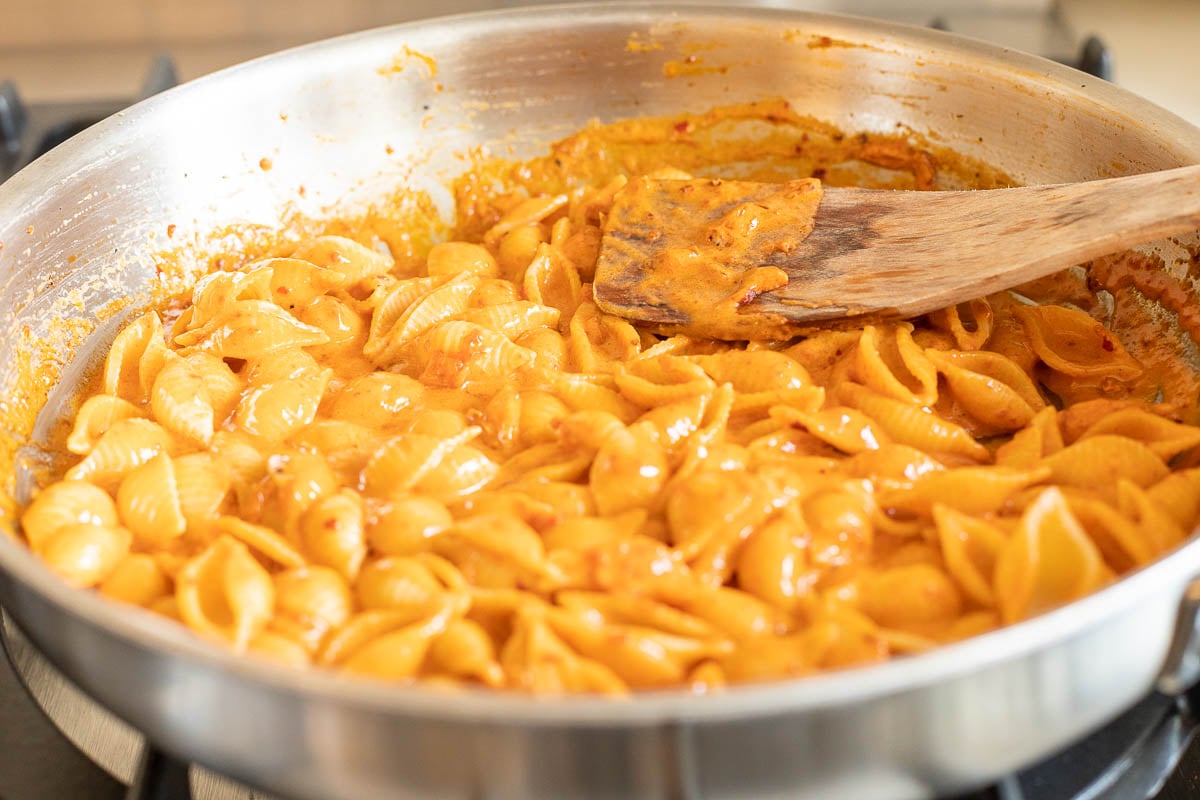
[1107, 345]
[171, 231]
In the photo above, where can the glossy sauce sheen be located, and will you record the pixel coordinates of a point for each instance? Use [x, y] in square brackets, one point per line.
[344, 448]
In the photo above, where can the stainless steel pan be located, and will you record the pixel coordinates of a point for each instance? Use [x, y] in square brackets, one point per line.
[77, 228]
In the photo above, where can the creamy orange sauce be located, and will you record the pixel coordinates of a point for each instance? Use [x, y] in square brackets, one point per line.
[702, 248]
[446, 464]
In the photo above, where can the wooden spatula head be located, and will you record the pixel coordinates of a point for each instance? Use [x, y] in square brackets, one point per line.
[746, 260]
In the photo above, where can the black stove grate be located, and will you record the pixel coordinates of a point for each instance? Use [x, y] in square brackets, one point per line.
[29, 131]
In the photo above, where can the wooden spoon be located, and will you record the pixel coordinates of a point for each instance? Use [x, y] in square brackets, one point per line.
[745, 260]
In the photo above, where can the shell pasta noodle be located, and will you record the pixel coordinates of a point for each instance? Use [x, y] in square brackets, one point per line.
[456, 469]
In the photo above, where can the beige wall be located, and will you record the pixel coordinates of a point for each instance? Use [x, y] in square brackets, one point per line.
[78, 49]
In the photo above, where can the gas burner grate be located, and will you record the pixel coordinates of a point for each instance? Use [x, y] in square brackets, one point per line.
[28, 131]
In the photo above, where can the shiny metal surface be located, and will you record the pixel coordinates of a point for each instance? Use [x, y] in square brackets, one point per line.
[326, 115]
[106, 740]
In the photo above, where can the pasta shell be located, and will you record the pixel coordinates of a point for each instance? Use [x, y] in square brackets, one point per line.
[596, 340]
[888, 361]
[527, 212]
[138, 580]
[97, 414]
[970, 547]
[676, 421]
[375, 399]
[134, 359]
[252, 329]
[285, 366]
[552, 280]
[236, 452]
[83, 554]
[405, 525]
[972, 490]
[281, 648]
[773, 563]
[297, 480]
[423, 314]
[841, 524]
[714, 506]
[1119, 540]
[129, 443]
[357, 262]
[752, 371]
[395, 302]
[1154, 522]
[203, 483]
[895, 462]
[457, 258]
[580, 393]
[731, 612]
[331, 532]
[148, 500]
[462, 471]
[347, 333]
[465, 650]
[824, 352]
[295, 282]
[990, 387]
[68, 502]
[1164, 437]
[543, 462]
[181, 403]
[848, 430]
[399, 584]
[1048, 561]
[640, 657]
[652, 383]
[912, 425]
[315, 600]
[459, 353]
[215, 292]
[221, 384]
[501, 538]
[225, 592]
[512, 319]
[1099, 461]
[547, 345]
[1178, 494]
[405, 460]
[1040, 438]
[969, 323]
[536, 660]
[345, 446]
[262, 540]
[920, 598]
[275, 411]
[629, 471]
[1071, 342]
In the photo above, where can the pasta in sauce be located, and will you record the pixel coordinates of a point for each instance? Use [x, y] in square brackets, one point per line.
[456, 469]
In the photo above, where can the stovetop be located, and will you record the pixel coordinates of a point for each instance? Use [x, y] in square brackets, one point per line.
[47, 725]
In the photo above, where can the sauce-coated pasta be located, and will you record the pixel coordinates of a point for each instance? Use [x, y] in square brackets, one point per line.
[458, 469]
